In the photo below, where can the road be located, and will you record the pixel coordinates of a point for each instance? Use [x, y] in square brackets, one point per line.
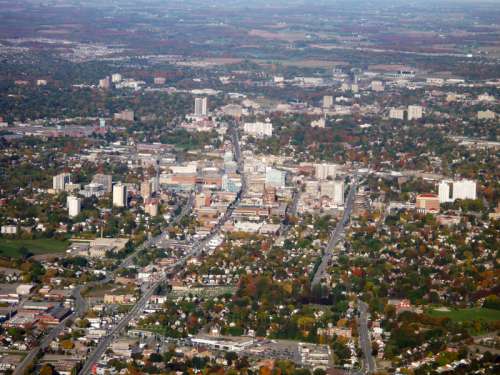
[364, 338]
[80, 306]
[197, 249]
[337, 234]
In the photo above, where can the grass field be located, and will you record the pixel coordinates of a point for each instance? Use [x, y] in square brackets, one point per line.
[11, 248]
[460, 315]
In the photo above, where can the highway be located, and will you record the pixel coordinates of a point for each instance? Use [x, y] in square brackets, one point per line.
[364, 338]
[337, 234]
[197, 249]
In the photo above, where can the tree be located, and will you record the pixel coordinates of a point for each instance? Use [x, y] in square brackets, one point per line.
[47, 369]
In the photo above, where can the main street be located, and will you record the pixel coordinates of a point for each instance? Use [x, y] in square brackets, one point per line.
[196, 250]
[337, 234]
[364, 338]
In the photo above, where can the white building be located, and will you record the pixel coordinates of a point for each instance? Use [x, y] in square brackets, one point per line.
[338, 196]
[115, 78]
[377, 86]
[397, 113]
[275, 177]
[74, 206]
[9, 229]
[486, 115]
[449, 191]
[324, 170]
[120, 195]
[200, 107]
[327, 101]
[444, 191]
[59, 181]
[105, 180]
[415, 112]
[464, 189]
[258, 129]
[320, 123]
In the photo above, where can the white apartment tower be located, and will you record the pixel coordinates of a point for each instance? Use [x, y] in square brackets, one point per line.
[397, 114]
[327, 101]
[119, 195]
[449, 191]
[444, 191]
[74, 206]
[415, 112]
[323, 171]
[464, 189]
[59, 181]
[200, 107]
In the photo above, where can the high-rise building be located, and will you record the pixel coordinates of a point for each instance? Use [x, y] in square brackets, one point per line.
[102, 123]
[74, 206]
[397, 113]
[327, 101]
[104, 83]
[59, 181]
[120, 195]
[377, 86]
[415, 112]
[200, 107]
[105, 180]
[258, 129]
[464, 189]
[444, 191]
[116, 78]
[333, 190]
[275, 178]
[324, 170]
[146, 189]
[151, 207]
[338, 196]
[450, 191]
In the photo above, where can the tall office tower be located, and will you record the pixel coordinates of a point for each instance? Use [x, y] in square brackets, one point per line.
[338, 197]
[444, 191]
[105, 180]
[146, 189]
[115, 78]
[464, 189]
[275, 178]
[323, 171]
[415, 112]
[327, 101]
[104, 83]
[74, 205]
[201, 106]
[120, 195]
[59, 181]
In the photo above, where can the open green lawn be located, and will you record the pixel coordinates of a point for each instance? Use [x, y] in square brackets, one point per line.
[460, 315]
[10, 248]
